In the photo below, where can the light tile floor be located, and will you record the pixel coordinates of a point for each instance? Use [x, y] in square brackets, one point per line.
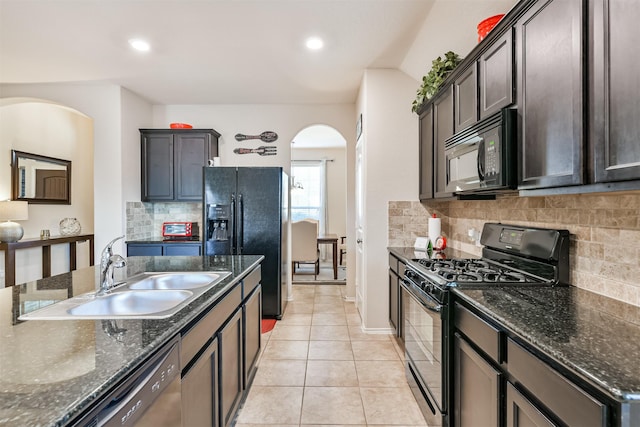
[318, 368]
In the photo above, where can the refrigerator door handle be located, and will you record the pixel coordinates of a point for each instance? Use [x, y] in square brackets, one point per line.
[232, 238]
[240, 224]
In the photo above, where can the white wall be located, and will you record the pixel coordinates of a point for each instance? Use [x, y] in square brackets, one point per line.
[336, 184]
[136, 114]
[104, 104]
[285, 120]
[450, 25]
[391, 169]
[50, 130]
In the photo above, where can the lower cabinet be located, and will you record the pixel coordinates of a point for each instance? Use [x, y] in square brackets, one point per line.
[476, 401]
[218, 356]
[231, 369]
[499, 382]
[252, 324]
[396, 271]
[164, 249]
[199, 395]
[521, 412]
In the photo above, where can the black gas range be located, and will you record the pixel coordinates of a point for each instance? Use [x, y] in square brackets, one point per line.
[511, 256]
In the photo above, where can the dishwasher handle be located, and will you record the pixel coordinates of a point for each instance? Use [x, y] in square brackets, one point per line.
[131, 401]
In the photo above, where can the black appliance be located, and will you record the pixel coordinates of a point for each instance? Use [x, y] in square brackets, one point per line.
[512, 256]
[482, 158]
[246, 212]
[148, 392]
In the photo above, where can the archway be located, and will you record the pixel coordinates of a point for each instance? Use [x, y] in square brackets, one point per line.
[319, 187]
[42, 127]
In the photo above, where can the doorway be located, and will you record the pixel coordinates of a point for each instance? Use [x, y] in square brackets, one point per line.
[319, 193]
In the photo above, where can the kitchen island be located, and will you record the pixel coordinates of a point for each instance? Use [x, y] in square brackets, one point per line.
[52, 372]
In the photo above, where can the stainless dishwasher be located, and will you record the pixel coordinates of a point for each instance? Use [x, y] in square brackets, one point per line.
[150, 397]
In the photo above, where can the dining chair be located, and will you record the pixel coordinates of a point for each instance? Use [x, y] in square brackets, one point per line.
[304, 246]
[343, 247]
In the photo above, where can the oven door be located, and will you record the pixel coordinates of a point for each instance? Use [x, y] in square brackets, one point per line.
[425, 331]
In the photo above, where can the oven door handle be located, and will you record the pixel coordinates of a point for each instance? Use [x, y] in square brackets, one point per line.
[436, 307]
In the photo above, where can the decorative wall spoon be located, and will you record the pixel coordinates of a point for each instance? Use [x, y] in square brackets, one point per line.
[267, 136]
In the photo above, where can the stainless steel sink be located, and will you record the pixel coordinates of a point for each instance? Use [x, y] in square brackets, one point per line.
[130, 303]
[145, 296]
[176, 280]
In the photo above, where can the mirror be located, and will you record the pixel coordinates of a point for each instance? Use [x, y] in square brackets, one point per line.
[40, 179]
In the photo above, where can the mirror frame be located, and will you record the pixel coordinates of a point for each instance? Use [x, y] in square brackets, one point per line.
[15, 178]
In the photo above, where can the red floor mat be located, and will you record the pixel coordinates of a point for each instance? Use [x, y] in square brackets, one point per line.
[267, 325]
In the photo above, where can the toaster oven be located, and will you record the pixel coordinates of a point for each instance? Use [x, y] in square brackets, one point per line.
[177, 230]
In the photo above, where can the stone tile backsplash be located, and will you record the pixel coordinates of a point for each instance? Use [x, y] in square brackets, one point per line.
[605, 232]
[144, 220]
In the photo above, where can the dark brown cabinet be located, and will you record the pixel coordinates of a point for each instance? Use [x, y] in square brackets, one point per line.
[465, 89]
[252, 324]
[563, 399]
[165, 249]
[199, 395]
[442, 129]
[615, 87]
[521, 412]
[172, 162]
[219, 354]
[496, 76]
[476, 399]
[549, 50]
[426, 153]
[487, 360]
[396, 272]
[231, 368]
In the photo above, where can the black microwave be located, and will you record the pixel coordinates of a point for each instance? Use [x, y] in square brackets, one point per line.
[482, 158]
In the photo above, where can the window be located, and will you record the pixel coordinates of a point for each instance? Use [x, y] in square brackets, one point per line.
[306, 195]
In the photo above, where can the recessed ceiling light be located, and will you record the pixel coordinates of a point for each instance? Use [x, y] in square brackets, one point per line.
[314, 43]
[140, 45]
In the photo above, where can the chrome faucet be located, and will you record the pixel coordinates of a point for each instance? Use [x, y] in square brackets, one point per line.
[109, 261]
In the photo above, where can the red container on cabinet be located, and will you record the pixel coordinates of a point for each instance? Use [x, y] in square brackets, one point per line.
[487, 25]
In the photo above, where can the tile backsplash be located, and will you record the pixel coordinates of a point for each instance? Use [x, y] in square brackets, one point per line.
[144, 220]
[605, 232]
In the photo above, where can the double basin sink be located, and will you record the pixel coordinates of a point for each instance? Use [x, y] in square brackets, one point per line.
[145, 296]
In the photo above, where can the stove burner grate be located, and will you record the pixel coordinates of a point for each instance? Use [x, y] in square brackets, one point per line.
[472, 271]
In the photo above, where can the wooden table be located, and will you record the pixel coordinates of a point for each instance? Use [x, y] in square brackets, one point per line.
[331, 239]
[10, 253]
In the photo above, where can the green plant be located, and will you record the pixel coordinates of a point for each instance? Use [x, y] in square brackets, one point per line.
[440, 69]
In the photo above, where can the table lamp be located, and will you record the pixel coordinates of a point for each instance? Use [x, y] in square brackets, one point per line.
[12, 210]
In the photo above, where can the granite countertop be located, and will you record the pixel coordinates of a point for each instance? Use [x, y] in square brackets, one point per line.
[409, 253]
[595, 337]
[51, 371]
[592, 336]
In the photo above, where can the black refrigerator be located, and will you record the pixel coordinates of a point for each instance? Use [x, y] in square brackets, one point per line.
[246, 212]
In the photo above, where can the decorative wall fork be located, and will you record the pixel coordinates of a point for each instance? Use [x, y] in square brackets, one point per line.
[262, 151]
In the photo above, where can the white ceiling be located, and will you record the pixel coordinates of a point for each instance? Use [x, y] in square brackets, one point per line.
[230, 51]
[208, 51]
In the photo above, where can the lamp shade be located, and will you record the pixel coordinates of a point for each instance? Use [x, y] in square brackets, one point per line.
[14, 210]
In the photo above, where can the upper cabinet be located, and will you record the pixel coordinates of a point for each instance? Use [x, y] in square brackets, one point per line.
[442, 129]
[615, 90]
[426, 153]
[172, 162]
[565, 65]
[466, 96]
[549, 42]
[496, 76]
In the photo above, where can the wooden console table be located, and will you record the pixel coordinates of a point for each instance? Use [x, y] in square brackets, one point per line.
[10, 253]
